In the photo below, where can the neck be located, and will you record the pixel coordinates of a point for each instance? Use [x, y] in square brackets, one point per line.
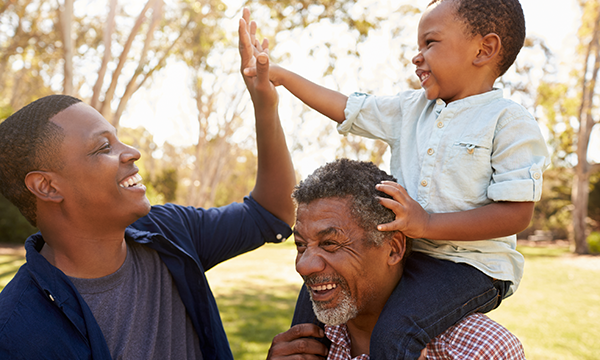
[83, 254]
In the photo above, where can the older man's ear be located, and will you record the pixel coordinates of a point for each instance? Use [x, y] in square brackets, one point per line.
[397, 248]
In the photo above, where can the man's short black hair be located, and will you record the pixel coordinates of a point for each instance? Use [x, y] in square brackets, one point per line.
[502, 17]
[29, 141]
[355, 180]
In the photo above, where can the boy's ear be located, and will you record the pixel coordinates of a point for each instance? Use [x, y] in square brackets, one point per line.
[41, 184]
[397, 248]
[489, 49]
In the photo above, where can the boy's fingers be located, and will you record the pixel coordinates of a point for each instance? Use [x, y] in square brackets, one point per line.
[392, 189]
[262, 67]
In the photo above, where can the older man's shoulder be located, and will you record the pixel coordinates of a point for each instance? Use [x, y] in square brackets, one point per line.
[476, 337]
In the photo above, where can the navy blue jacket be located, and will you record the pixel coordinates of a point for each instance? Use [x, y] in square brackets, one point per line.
[42, 316]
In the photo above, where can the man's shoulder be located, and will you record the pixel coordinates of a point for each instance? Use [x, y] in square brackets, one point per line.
[476, 337]
[20, 303]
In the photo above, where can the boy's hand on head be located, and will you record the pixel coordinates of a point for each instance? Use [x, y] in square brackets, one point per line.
[411, 218]
[250, 45]
[261, 90]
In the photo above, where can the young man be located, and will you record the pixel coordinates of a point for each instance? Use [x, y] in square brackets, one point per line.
[109, 276]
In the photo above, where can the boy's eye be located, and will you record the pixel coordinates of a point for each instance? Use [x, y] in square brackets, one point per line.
[104, 148]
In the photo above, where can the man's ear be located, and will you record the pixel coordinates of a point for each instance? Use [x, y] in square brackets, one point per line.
[489, 49]
[41, 184]
[397, 248]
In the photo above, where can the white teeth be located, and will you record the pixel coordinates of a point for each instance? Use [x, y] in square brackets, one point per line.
[131, 181]
[324, 287]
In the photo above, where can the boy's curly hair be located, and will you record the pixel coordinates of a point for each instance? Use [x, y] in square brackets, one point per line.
[352, 179]
[29, 141]
[502, 17]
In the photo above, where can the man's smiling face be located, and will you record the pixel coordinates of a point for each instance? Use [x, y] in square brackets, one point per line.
[98, 178]
[344, 273]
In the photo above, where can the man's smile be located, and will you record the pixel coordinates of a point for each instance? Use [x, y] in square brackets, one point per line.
[134, 180]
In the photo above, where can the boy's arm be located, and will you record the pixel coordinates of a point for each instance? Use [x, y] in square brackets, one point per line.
[490, 221]
[328, 102]
[275, 178]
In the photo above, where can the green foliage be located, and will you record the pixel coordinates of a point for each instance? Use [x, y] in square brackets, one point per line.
[594, 200]
[14, 228]
[557, 297]
[594, 242]
[166, 184]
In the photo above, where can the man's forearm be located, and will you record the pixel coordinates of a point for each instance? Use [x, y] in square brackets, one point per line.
[275, 178]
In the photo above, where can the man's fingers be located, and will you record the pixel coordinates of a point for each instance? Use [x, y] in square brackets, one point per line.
[300, 331]
[298, 343]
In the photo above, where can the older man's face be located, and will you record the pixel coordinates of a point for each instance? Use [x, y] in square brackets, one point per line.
[344, 274]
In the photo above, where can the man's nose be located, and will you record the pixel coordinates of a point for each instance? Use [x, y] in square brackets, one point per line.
[130, 153]
[309, 262]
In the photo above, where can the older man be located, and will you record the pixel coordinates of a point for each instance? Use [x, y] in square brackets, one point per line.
[350, 269]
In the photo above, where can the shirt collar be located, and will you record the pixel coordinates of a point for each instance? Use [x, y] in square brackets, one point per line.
[340, 343]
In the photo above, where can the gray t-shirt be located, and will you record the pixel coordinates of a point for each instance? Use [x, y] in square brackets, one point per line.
[139, 309]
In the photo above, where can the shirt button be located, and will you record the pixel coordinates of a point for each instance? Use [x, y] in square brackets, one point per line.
[279, 236]
[424, 183]
[439, 102]
[51, 297]
[440, 124]
[430, 151]
[536, 176]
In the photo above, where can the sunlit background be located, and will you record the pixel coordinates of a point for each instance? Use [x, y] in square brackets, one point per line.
[172, 87]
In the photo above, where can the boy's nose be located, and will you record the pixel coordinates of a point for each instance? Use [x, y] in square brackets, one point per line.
[417, 59]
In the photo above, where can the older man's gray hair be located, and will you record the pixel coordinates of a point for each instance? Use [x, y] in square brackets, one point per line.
[355, 180]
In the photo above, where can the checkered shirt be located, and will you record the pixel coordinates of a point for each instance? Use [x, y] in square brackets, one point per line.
[476, 337]
[340, 343]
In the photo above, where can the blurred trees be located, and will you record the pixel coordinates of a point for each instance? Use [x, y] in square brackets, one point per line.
[106, 51]
[572, 111]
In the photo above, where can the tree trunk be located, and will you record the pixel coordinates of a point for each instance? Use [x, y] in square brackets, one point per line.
[66, 19]
[107, 41]
[580, 190]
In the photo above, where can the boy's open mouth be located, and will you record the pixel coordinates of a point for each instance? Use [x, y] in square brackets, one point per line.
[131, 181]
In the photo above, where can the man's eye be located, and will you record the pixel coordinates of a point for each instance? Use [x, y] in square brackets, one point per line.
[329, 246]
[300, 246]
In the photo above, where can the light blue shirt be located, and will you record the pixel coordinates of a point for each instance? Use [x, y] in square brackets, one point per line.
[455, 157]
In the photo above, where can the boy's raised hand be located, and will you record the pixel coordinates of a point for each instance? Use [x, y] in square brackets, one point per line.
[411, 218]
[261, 90]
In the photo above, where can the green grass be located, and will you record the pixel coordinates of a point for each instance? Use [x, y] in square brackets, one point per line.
[555, 313]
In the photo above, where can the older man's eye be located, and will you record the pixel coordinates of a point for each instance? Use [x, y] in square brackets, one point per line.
[300, 246]
[329, 246]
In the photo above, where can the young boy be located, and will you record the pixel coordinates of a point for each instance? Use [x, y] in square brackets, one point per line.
[468, 162]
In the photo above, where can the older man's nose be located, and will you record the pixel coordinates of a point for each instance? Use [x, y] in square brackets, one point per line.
[309, 263]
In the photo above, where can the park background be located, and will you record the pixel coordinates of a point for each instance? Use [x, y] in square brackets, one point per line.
[166, 74]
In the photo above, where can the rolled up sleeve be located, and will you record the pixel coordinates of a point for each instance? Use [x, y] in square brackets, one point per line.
[518, 160]
[371, 116]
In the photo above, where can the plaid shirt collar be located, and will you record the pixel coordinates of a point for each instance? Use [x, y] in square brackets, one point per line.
[340, 343]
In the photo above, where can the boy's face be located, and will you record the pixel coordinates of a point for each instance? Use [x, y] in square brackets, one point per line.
[445, 59]
[99, 182]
